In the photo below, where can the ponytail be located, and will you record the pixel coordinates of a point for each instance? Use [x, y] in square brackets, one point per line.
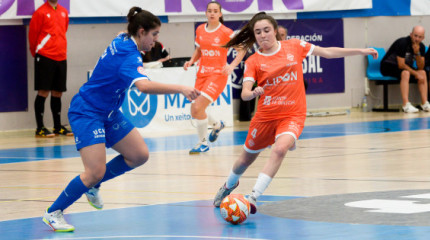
[139, 18]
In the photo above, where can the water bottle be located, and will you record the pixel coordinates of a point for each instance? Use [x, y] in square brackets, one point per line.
[364, 104]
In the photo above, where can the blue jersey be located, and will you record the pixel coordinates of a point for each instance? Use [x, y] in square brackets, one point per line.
[117, 70]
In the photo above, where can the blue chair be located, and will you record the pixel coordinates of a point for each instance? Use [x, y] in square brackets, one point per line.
[373, 73]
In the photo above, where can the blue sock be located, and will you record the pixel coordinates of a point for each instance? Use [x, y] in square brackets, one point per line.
[70, 194]
[114, 168]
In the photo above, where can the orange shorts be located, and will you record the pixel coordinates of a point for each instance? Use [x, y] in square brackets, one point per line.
[263, 134]
[211, 86]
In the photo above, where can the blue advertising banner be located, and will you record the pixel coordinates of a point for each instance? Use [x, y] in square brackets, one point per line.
[13, 69]
[322, 75]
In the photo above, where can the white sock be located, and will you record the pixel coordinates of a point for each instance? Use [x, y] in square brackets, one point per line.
[262, 183]
[202, 130]
[213, 122]
[232, 179]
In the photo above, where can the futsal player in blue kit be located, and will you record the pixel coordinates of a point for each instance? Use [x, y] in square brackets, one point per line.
[97, 122]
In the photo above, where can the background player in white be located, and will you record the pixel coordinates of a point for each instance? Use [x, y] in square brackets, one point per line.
[97, 122]
[281, 111]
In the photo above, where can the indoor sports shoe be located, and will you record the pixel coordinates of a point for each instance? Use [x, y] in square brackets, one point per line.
[62, 131]
[408, 108]
[252, 203]
[426, 107]
[94, 198]
[44, 133]
[215, 132]
[56, 221]
[222, 193]
[199, 148]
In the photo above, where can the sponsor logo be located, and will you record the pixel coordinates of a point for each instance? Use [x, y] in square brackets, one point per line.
[290, 57]
[139, 108]
[141, 70]
[287, 77]
[217, 40]
[211, 53]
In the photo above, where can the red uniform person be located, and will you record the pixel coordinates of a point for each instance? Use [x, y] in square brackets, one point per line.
[48, 45]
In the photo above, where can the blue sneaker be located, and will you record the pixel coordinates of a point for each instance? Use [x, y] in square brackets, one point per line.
[199, 148]
[215, 132]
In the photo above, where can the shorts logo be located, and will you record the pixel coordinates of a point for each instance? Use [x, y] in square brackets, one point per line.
[139, 108]
[99, 133]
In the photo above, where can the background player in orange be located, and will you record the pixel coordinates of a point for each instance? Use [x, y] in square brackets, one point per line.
[212, 73]
[281, 111]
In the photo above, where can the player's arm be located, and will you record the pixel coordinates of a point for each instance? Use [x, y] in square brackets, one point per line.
[247, 92]
[337, 52]
[229, 68]
[152, 87]
[194, 58]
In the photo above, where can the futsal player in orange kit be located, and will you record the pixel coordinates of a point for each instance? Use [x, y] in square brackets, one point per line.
[212, 73]
[281, 110]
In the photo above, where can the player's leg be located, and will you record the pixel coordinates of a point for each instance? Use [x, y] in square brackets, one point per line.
[94, 160]
[260, 135]
[239, 167]
[198, 112]
[122, 136]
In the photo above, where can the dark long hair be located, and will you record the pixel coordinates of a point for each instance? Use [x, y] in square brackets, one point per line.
[221, 19]
[246, 38]
[139, 18]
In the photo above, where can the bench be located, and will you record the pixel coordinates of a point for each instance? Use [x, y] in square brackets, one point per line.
[373, 73]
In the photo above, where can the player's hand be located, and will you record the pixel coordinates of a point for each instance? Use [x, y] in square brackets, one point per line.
[187, 64]
[190, 93]
[257, 92]
[227, 70]
[371, 51]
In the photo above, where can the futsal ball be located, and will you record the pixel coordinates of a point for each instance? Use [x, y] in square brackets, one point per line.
[234, 208]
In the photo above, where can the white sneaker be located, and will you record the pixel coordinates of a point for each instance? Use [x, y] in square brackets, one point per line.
[56, 221]
[94, 198]
[426, 106]
[408, 108]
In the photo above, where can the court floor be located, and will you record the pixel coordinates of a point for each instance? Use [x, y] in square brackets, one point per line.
[356, 176]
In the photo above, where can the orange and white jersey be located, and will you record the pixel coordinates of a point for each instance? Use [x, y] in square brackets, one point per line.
[214, 57]
[281, 76]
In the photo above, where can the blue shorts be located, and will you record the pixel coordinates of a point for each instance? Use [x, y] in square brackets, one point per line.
[91, 126]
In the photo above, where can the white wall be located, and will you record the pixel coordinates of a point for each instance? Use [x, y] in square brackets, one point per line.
[86, 43]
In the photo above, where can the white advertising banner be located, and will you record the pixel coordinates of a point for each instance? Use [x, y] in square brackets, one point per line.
[420, 7]
[12, 9]
[171, 112]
